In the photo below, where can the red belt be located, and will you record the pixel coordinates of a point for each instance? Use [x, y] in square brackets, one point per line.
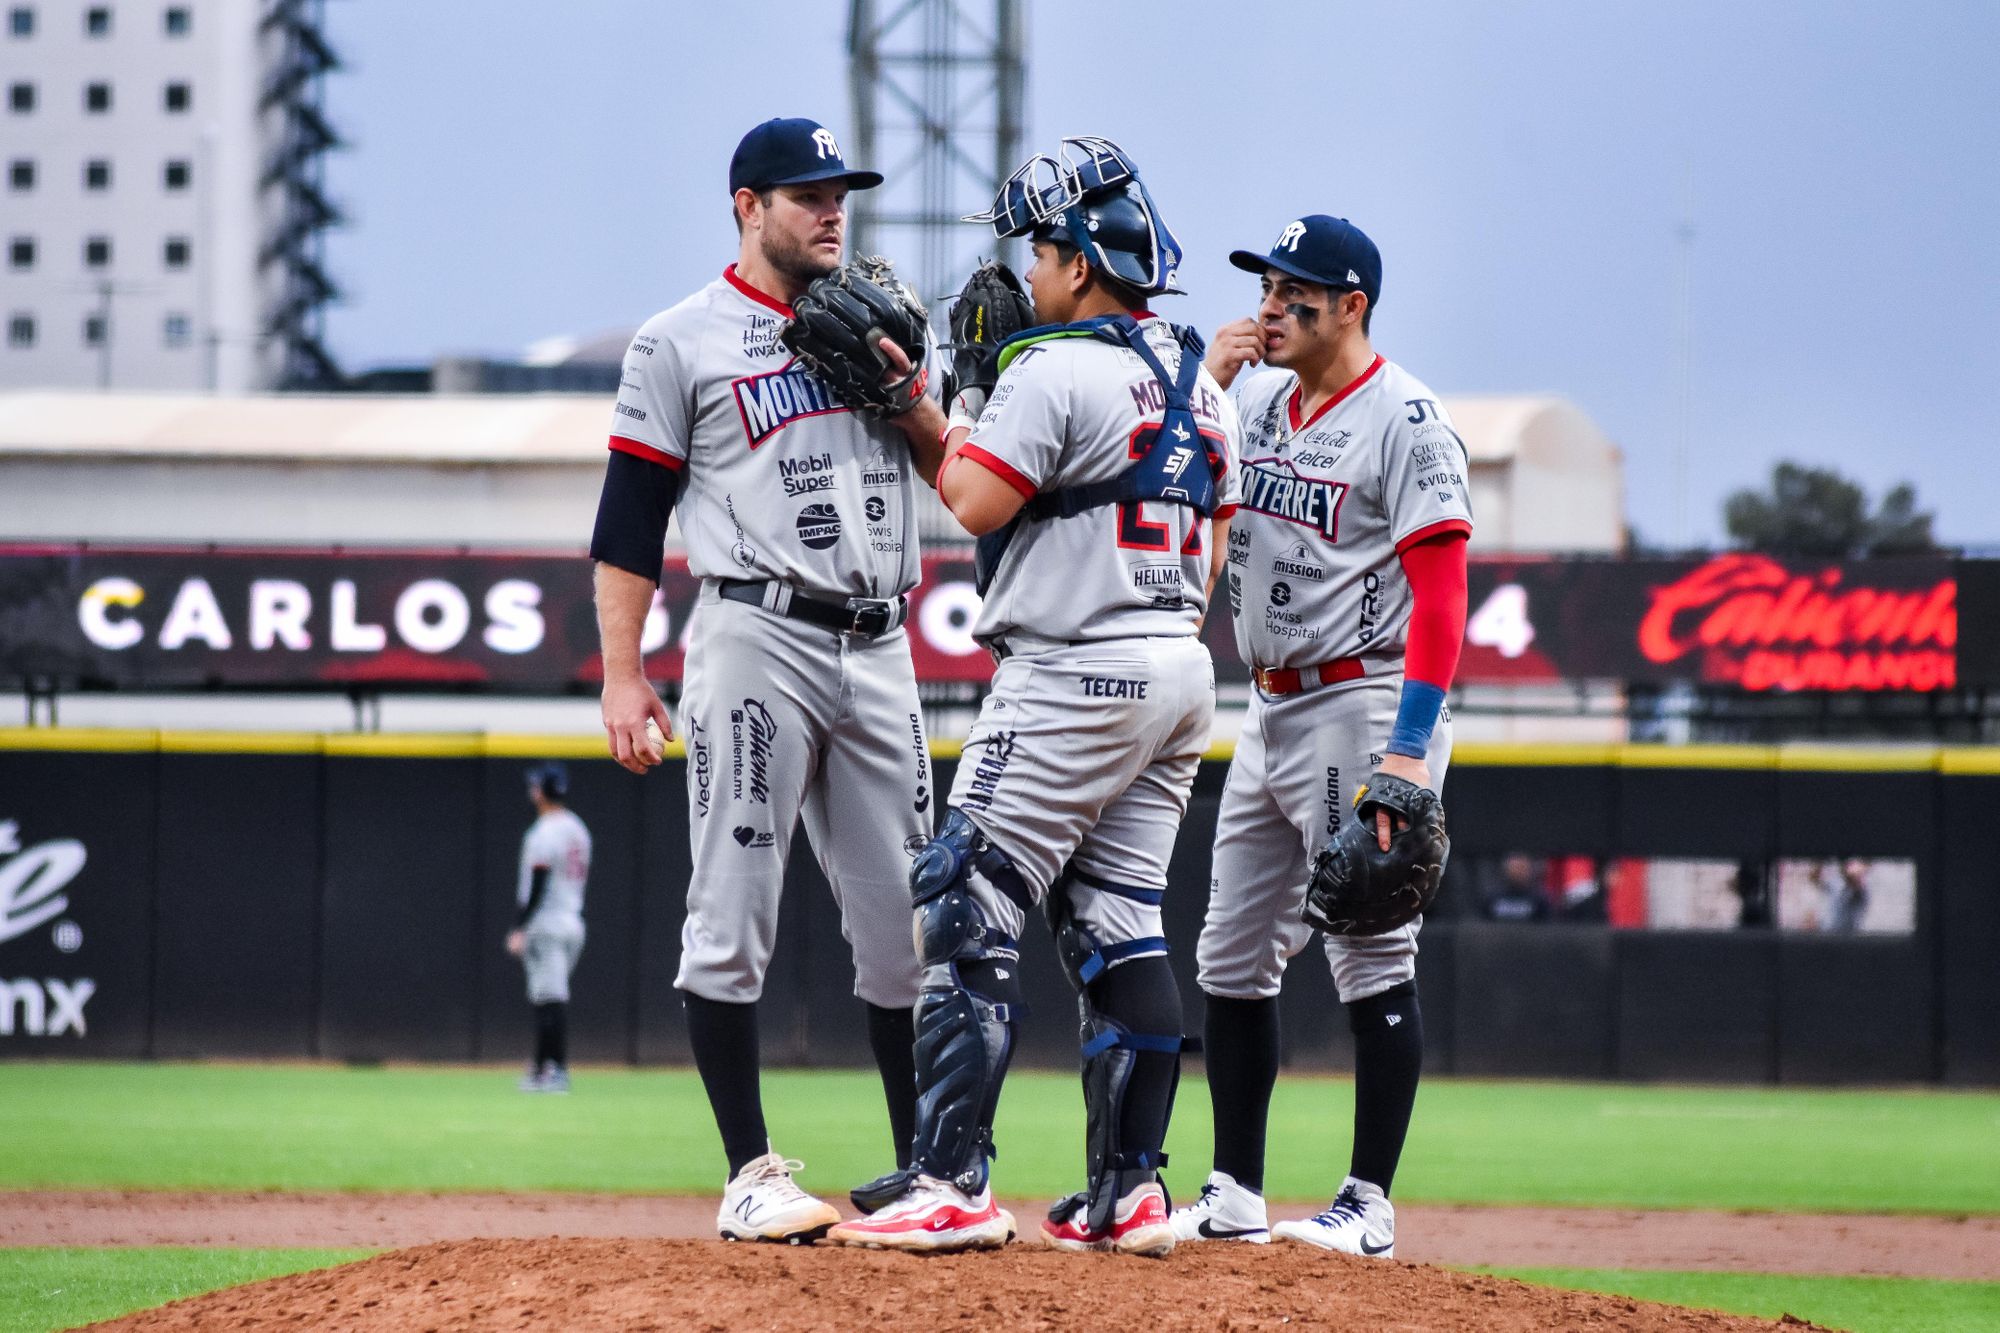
[1293, 680]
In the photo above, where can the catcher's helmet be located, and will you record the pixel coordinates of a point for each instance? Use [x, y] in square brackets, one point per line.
[551, 779]
[1092, 198]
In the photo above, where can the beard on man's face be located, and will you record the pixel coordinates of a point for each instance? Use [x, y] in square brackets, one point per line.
[795, 258]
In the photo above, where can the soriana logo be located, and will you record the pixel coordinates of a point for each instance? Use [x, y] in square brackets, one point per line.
[1751, 621]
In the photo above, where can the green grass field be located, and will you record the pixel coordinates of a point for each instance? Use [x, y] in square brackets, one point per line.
[248, 1127]
[1865, 1304]
[54, 1288]
[237, 1127]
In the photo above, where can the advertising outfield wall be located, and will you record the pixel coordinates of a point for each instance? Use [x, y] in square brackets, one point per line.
[166, 618]
[345, 897]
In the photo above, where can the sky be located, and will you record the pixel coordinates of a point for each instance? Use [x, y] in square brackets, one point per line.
[517, 170]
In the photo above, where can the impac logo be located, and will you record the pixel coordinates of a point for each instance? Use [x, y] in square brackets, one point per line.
[33, 881]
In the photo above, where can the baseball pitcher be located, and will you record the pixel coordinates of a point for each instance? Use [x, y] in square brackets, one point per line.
[795, 501]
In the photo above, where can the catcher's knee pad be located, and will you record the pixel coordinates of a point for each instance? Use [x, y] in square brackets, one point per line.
[970, 1001]
[1082, 909]
[1099, 923]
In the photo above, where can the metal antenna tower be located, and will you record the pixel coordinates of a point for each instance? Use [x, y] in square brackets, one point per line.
[937, 90]
[294, 185]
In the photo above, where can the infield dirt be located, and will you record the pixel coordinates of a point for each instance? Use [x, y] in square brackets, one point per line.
[708, 1285]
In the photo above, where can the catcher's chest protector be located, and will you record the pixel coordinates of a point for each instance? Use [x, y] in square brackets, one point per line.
[1176, 461]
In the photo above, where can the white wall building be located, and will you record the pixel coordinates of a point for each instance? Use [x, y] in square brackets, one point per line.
[159, 196]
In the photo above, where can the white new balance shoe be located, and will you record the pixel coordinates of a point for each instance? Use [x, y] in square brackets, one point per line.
[1225, 1211]
[762, 1203]
[1360, 1220]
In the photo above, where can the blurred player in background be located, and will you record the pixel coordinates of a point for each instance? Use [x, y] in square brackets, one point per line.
[548, 927]
[1348, 573]
[799, 699]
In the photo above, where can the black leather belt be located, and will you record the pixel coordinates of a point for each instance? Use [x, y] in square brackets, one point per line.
[869, 617]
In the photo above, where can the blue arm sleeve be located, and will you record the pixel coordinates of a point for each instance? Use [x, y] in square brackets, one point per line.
[1416, 718]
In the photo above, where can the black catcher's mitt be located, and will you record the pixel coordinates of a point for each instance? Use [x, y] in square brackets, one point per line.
[1357, 888]
[990, 309]
[838, 324]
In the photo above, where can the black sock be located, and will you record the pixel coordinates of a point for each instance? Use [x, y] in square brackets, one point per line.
[1141, 996]
[1240, 1046]
[1388, 1060]
[892, 1035]
[551, 1044]
[724, 1037]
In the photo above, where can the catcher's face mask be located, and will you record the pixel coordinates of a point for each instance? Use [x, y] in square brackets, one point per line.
[1054, 195]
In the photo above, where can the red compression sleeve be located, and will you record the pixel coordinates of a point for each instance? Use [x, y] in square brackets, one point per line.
[1436, 570]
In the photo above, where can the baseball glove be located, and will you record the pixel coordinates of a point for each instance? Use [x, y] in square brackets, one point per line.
[990, 309]
[1357, 888]
[838, 324]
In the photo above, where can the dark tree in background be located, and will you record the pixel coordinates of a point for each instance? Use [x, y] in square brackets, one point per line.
[1814, 511]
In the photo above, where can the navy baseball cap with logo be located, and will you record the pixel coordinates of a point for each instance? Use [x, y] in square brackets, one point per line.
[1330, 251]
[792, 151]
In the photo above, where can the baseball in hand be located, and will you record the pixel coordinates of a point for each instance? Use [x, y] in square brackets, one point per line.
[656, 740]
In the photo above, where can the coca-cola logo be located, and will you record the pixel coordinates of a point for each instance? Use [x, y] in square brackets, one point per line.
[1755, 622]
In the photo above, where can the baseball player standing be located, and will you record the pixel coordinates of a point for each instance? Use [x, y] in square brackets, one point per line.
[1347, 570]
[548, 925]
[799, 695]
[1091, 476]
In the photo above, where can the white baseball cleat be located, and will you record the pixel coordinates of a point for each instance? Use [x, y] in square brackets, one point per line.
[1360, 1220]
[932, 1215]
[761, 1203]
[1225, 1211]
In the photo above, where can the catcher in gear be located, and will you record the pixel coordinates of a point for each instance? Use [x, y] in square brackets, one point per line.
[1330, 821]
[1097, 472]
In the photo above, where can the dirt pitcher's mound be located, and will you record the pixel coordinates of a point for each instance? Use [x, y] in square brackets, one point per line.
[708, 1285]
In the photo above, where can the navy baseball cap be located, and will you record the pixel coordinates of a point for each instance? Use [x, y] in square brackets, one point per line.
[1327, 250]
[792, 151]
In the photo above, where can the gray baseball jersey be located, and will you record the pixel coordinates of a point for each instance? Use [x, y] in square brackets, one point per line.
[1064, 414]
[782, 718]
[1326, 506]
[1314, 571]
[779, 481]
[1084, 752]
[559, 841]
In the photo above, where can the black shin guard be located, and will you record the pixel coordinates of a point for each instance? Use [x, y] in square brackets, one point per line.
[724, 1038]
[965, 1041]
[1141, 997]
[892, 1035]
[1388, 1061]
[1241, 1047]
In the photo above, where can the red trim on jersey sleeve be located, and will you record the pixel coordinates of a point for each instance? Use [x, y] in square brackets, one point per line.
[1225, 511]
[1436, 570]
[1437, 529]
[729, 274]
[999, 469]
[1292, 403]
[625, 444]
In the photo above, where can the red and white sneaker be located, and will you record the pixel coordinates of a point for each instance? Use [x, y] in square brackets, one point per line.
[1141, 1225]
[933, 1216]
